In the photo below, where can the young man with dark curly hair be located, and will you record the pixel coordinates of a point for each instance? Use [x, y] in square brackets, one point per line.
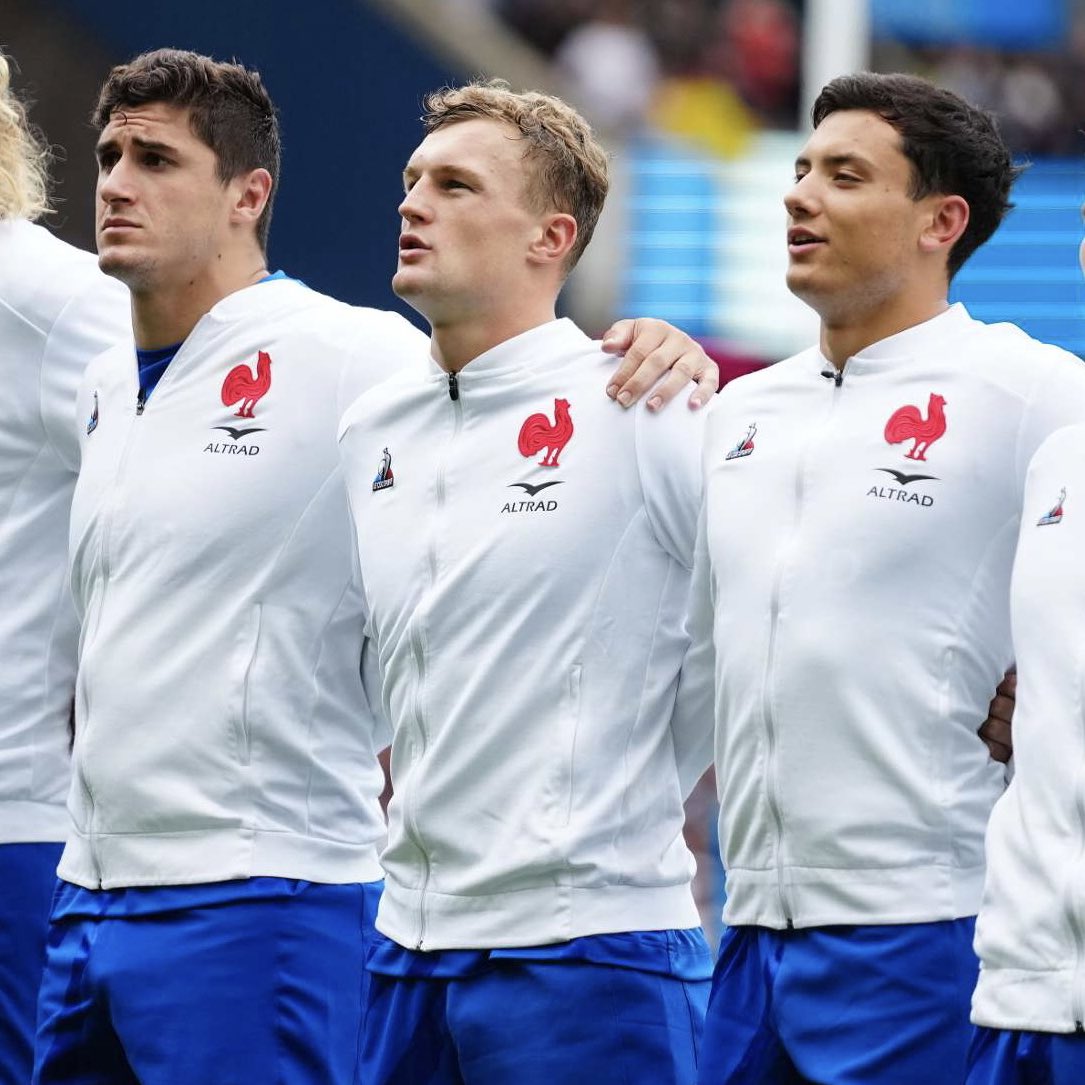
[862, 504]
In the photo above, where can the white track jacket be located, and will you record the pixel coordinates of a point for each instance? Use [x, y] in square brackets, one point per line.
[222, 730]
[1030, 934]
[57, 311]
[525, 550]
[858, 545]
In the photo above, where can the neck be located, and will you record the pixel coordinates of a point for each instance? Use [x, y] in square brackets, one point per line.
[843, 338]
[454, 344]
[162, 316]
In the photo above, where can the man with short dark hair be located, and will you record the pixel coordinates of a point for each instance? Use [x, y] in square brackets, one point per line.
[221, 874]
[862, 503]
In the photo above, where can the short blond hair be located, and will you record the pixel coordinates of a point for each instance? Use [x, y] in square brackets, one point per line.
[570, 172]
[23, 157]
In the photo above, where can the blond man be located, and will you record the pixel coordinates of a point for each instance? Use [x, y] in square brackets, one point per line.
[526, 549]
[56, 312]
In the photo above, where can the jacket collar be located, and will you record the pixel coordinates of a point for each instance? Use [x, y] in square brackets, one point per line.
[529, 350]
[919, 339]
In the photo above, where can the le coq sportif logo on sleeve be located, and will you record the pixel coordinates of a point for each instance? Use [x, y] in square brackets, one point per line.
[1054, 514]
[385, 479]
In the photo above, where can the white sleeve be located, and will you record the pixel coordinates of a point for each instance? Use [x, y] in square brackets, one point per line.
[94, 320]
[668, 449]
[369, 664]
[1058, 400]
[693, 723]
[381, 345]
[669, 453]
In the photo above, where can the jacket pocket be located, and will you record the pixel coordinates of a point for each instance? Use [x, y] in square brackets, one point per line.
[244, 661]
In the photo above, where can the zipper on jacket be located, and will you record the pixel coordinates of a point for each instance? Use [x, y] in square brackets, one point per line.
[141, 399]
[772, 784]
[107, 567]
[417, 650]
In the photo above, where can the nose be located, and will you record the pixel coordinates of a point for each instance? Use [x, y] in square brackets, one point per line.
[799, 198]
[413, 207]
[114, 184]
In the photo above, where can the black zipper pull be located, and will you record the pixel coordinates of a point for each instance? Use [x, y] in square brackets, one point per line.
[453, 387]
[834, 374]
[141, 400]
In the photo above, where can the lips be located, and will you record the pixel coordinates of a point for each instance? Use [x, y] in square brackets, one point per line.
[798, 237]
[411, 243]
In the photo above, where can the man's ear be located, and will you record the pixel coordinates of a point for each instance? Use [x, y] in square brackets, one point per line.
[253, 193]
[948, 220]
[555, 239]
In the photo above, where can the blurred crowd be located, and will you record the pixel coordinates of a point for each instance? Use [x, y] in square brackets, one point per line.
[619, 55]
[1039, 98]
[714, 70]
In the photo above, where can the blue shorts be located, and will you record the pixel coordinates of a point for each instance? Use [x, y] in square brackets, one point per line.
[1008, 1057]
[27, 879]
[546, 1021]
[265, 986]
[863, 1005]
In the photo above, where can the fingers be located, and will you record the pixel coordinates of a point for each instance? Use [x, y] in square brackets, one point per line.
[998, 740]
[708, 384]
[647, 358]
[1008, 686]
[619, 336]
[682, 372]
[657, 350]
[997, 729]
[1001, 708]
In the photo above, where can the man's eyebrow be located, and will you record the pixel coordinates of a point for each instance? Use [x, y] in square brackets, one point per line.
[139, 141]
[411, 173]
[834, 161]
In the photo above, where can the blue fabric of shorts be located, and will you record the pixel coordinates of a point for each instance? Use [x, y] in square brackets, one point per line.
[1009, 1057]
[536, 1016]
[237, 983]
[851, 1005]
[28, 877]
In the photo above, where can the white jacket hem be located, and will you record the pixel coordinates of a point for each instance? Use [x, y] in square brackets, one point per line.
[1023, 999]
[120, 860]
[23, 821]
[535, 916]
[821, 897]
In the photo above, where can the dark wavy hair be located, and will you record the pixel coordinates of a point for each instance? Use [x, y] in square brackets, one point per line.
[229, 110]
[954, 148]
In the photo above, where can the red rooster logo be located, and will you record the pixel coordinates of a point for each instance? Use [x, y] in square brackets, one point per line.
[538, 432]
[240, 385]
[908, 424]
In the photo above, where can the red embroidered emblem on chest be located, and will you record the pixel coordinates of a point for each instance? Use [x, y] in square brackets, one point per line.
[240, 386]
[907, 424]
[538, 432]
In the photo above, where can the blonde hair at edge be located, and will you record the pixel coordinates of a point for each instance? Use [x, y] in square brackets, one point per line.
[570, 166]
[23, 181]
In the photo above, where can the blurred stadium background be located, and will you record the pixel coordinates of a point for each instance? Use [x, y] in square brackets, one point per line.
[701, 102]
